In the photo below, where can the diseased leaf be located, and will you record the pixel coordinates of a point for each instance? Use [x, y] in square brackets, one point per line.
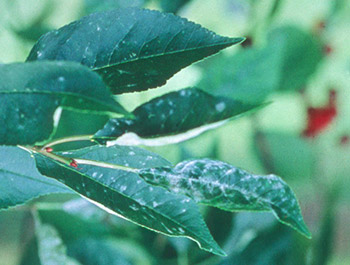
[111, 185]
[174, 113]
[20, 181]
[221, 185]
[132, 49]
[30, 93]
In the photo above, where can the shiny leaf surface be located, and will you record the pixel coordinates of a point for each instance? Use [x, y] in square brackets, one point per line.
[132, 49]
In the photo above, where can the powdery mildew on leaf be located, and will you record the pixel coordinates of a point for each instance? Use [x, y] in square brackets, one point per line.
[219, 184]
[174, 113]
[126, 195]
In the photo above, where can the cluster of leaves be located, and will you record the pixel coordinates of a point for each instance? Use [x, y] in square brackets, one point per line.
[81, 67]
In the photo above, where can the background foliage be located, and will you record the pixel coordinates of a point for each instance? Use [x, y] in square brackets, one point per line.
[296, 53]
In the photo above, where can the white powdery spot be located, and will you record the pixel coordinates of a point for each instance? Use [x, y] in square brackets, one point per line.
[220, 107]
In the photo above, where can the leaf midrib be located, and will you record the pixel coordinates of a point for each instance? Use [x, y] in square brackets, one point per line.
[231, 42]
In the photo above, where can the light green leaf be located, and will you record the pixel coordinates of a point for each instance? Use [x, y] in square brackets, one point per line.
[286, 151]
[111, 184]
[173, 6]
[20, 181]
[51, 249]
[91, 251]
[92, 6]
[30, 93]
[132, 49]
[174, 113]
[221, 185]
[286, 62]
[249, 75]
[300, 53]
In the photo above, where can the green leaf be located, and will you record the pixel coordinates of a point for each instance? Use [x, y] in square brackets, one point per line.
[249, 76]
[287, 62]
[30, 93]
[174, 113]
[173, 6]
[300, 53]
[92, 6]
[51, 249]
[112, 185]
[132, 49]
[269, 247]
[286, 151]
[20, 181]
[72, 224]
[91, 251]
[221, 185]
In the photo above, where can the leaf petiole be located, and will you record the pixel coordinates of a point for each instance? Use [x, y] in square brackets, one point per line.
[69, 140]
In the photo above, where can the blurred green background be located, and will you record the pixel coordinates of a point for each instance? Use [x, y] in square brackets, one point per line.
[296, 52]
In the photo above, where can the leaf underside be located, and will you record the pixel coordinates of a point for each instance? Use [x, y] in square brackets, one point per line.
[132, 49]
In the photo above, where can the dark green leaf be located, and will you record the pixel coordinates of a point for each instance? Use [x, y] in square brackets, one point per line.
[30, 93]
[300, 53]
[132, 49]
[218, 184]
[112, 185]
[20, 181]
[174, 113]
